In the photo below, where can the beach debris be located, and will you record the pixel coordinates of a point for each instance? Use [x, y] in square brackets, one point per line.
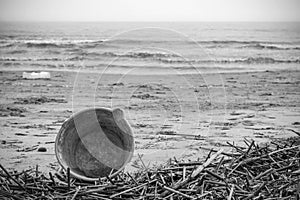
[8, 110]
[266, 94]
[36, 75]
[144, 96]
[27, 149]
[21, 134]
[265, 171]
[117, 84]
[186, 136]
[39, 100]
[11, 141]
[42, 149]
[50, 142]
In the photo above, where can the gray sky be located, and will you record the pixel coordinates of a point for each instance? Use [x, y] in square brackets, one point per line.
[149, 10]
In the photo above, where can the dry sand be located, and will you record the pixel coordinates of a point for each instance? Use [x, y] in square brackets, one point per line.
[171, 115]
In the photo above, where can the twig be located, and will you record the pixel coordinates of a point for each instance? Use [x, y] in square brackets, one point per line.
[200, 168]
[294, 131]
[176, 192]
[68, 177]
[134, 188]
[8, 174]
[75, 194]
[231, 193]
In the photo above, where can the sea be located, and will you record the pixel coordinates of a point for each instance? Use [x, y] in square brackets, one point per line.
[150, 47]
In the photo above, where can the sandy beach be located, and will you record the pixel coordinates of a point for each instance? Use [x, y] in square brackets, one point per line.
[180, 116]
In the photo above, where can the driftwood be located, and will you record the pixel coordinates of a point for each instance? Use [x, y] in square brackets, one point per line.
[270, 171]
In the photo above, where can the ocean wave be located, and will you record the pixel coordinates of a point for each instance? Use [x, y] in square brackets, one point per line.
[181, 41]
[226, 42]
[133, 55]
[178, 41]
[144, 54]
[148, 55]
[164, 58]
[211, 44]
[56, 43]
[245, 42]
[47, 45]
[6, 45]
[261, 60]
[5, 37]
[94, 43]
[249, 60]
[15, 59]
[270, 47]
[18, 52]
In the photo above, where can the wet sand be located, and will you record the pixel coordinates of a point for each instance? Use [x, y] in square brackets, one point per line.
[171, 115]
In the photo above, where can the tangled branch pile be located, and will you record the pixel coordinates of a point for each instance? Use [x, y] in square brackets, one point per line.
[270, 171]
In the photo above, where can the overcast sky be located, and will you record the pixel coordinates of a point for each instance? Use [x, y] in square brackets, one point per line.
[149, 10]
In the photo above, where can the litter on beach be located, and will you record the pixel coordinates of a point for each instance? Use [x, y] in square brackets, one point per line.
[36, 75]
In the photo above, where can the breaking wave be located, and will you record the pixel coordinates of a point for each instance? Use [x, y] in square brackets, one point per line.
[144, 54]
[270, 47]
[249, 60]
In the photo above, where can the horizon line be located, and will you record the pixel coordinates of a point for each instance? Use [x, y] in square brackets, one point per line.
[149, 21]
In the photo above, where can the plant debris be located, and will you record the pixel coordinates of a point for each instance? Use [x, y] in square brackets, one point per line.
[8, 110]
[38, 100]
[269, 171]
